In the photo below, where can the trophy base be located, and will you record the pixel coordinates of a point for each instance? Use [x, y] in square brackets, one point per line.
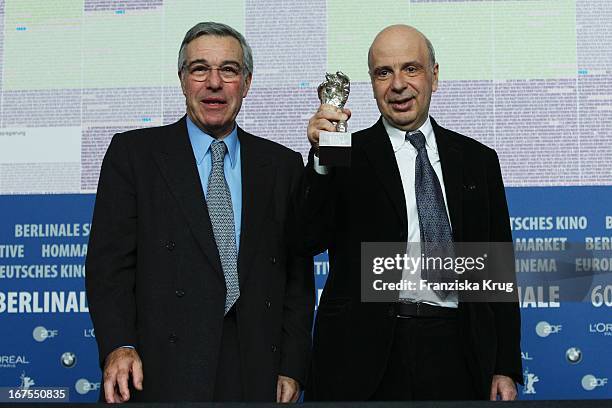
[335, 149]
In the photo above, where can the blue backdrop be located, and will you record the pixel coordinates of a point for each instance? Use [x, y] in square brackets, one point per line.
[47, 336]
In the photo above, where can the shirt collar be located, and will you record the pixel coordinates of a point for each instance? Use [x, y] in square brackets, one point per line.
[201, 141]
[398, 136]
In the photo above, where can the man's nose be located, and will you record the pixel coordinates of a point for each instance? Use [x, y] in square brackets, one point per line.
[398, 83]
[214, 79]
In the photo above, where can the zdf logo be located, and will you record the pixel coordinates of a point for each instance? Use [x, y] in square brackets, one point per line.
[590, 382]
[83, 386]
[544, 329]
[41, 334]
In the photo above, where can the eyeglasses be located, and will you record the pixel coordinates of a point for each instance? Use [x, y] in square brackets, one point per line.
[227, 72]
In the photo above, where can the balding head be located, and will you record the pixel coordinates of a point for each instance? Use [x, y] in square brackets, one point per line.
[404, 74]
[405, 33]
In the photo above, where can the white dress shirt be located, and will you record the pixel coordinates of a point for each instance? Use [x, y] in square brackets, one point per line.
[405, 155]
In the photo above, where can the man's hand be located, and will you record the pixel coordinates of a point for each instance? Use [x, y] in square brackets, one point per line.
[504, 387]
[324, 119]
[287, 389]
[120, 363]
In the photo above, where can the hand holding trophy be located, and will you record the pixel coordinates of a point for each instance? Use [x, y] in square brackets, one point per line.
[334, 147]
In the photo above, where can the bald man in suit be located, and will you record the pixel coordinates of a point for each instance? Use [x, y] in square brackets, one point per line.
[425, 346]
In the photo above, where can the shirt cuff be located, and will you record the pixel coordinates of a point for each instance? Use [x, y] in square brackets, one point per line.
[319, 169]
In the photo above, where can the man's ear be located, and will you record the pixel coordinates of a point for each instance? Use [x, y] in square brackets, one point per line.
[247, 85]
[434, 82]
[180, 75]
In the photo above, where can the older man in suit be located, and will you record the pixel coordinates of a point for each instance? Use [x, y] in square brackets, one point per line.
[194, 291]
[410, 180]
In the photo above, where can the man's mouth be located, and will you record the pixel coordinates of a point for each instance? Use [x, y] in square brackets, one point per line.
[213, 102]
[402, 104]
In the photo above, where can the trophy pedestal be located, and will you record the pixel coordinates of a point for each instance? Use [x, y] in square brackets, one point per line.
[335, 148]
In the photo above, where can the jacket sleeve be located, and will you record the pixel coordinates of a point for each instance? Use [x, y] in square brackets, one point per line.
[298, 306]
[315, 209]
[111, 257]
[507, 314]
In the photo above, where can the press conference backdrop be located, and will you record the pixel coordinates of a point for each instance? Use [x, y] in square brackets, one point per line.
[532, 79]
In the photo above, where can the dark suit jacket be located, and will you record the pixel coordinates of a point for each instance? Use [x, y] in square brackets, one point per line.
[154, 277]
[365, 203]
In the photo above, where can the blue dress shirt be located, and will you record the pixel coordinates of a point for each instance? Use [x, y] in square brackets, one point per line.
[200, 142]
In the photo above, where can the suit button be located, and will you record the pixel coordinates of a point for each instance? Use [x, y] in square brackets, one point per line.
[170, 245]
[268, 304]
[172, 338]
[272, 260]
[273, 348]
[180, 293]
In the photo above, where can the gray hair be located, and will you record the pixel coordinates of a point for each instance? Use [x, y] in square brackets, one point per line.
[432, 53]
[220, 30]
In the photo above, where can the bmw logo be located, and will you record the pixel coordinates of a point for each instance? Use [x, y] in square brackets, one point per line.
[573, 355]
[68, 359]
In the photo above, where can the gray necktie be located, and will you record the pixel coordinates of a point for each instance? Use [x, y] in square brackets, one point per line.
[436, 234]
[221, 213]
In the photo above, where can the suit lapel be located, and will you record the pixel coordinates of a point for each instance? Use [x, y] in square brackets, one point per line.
[379, 151]
[177, 164]
[258, 175]
[451, 159]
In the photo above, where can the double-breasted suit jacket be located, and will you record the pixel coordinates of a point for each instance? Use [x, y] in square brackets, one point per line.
[154, 277]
